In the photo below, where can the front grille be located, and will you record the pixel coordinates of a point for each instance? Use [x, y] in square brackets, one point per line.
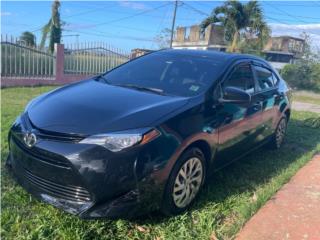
[42, 155]
[66, 192]
[55, 137]
[49, 135]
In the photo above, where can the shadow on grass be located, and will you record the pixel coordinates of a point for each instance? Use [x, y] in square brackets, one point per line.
[251, 171]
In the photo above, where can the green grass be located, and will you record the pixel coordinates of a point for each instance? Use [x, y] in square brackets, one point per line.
[307, 97]
[231, 197]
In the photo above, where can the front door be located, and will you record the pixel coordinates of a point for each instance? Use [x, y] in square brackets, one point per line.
[239, 124]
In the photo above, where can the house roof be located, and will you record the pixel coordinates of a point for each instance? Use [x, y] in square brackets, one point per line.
[291, 37]
[278, 52]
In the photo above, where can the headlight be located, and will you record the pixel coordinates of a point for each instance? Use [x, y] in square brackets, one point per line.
[119, 141]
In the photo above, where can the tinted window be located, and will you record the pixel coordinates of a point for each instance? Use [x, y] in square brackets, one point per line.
[241, 78]
[266, 79]
[168, 73]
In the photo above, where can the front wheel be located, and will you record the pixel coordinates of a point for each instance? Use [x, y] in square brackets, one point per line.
[279, 134]
[185, 182]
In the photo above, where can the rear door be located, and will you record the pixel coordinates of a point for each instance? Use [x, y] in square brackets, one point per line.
[240, 124]
[267, 93]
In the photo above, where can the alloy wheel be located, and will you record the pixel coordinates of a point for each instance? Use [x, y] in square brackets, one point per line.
[187, 182]
[281, 130]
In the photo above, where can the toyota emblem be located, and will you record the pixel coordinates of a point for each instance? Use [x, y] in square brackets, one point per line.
[30, 139]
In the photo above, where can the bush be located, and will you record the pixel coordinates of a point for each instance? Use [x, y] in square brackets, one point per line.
[302, 75]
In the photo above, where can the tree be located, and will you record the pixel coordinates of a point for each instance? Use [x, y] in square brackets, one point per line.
[28, 38]
[53, 28]
[305, 72]
[240, 20]
[163, 39]
[309, 53]
[302, 75]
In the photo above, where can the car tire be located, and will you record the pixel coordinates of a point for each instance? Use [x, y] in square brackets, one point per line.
[279, 134]
[185, 182]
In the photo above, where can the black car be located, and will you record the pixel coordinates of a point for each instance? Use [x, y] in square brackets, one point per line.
[147, 134]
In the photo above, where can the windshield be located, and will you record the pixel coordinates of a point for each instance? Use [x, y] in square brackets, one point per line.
[166, 73]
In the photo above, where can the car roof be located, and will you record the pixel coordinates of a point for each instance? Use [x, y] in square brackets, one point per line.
[214, 55]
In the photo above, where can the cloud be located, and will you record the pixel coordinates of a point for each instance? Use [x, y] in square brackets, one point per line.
[6, 14]
[133, 5]
[312, 29]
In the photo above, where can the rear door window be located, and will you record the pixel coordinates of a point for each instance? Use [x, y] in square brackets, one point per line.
[265, 78]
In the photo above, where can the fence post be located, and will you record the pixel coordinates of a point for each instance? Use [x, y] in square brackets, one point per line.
[59, 71]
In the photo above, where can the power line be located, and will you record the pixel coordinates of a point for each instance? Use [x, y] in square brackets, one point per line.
[133, 15]
[160, 26]
[152, 16]
[286, 13]
[88, 11]
[120, 26]
[270, 12]
[288, 20]
[76, 14]
[112, 21]
[316, 2]
[195, 9]
[285, 4]
[102, 34]
[305, 30]
[292, 16]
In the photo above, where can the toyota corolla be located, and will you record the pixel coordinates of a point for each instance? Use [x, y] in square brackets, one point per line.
[147, 134]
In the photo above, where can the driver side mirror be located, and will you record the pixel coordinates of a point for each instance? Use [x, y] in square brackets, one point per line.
[235, 95]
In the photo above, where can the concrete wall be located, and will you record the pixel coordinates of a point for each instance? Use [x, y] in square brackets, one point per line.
[180, 34]
[213, 35]
[285, 44]
[32, 81]
[216, 34]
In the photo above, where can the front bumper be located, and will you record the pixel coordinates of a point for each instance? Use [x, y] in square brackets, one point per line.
[85, 180]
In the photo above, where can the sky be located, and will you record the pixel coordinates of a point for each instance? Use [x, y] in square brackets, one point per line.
[132, 24]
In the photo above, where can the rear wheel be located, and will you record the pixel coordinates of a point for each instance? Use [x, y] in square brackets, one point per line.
[279, 134]
[185, 182]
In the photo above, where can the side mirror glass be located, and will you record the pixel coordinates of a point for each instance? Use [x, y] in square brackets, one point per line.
[235, 95]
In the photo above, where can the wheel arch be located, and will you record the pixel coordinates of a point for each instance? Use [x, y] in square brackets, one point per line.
[287, 113]
[204, 146]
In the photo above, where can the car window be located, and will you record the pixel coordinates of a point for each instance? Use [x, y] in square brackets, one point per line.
[168, 73]
[241, 78]
[275, 79]
[266, 79]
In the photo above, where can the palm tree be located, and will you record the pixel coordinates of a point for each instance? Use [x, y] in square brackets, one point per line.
[53, 27]
[240, 19]
[28, 38]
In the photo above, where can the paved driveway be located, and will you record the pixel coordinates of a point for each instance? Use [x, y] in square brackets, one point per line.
[300, 106]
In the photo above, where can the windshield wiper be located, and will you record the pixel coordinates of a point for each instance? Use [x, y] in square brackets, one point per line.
[101, 76]
[141, 88]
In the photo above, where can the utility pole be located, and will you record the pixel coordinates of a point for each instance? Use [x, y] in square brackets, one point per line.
[173, 21]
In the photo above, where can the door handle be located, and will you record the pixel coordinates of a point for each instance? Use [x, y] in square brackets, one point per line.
[228, 119]
[257, 106]
[278, 96]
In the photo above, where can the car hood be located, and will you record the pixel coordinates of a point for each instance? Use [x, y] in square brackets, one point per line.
[91, 107]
